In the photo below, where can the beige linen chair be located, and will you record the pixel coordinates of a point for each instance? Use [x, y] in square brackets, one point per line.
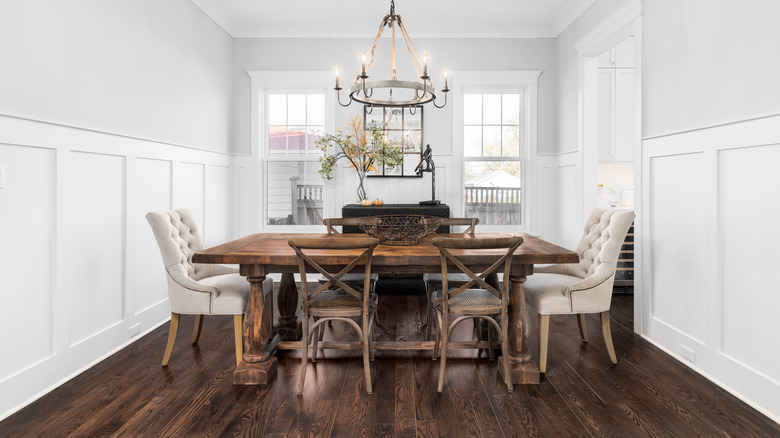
[198, 288]
[454, 279]
[486, 303]
[586, 287]
[336, 299]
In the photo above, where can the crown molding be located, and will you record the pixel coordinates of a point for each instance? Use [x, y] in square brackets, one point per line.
[421, 30]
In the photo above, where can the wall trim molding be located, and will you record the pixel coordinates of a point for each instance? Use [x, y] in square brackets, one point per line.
[114, 134]
[719, 125]
[594, 40]
[236, 29]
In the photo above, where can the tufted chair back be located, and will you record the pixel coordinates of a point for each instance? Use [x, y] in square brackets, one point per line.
[600, 242]
[179, 238]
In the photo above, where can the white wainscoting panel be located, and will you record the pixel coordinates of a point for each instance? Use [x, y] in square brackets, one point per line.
[677, 195]
[189, 191]
[152, 193]
[749, 210]
[569, 185]
[26, 270]
[96, 215]
[218, 205]
[710, 208]
[80, 265]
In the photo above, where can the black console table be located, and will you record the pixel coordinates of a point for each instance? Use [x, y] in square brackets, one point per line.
[404, 284]
[357, 210]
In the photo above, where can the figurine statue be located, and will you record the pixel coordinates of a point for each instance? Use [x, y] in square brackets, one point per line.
[427, 165]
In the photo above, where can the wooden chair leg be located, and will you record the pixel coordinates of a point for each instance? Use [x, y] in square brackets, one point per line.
[366, 354]
[491, 351]
[544, 332]
[582, 326]
[317, 336]
[505, 350]
[443, 329]
[171, 338]
[608, 336]
[238, 333]
[198, 327]
[304, 351]
[437, 335]
[429, 309]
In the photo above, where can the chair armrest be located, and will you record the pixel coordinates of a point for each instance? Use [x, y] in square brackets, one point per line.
[223, 270]
[556, 268]
[185, 282]
[593, 293]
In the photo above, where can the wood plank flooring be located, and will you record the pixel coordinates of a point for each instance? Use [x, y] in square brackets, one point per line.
[582, 395]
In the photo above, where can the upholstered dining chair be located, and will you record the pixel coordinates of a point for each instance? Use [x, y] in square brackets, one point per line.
[454, 279]
[586, 287]
[465, 302]
[352, 279]
[195, 288]
[335, 299]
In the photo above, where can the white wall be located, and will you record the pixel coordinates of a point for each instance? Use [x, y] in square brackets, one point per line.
[108, 110]
[710, 190]
[150, 69]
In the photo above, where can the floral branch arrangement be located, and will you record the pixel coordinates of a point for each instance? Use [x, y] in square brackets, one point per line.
[364, 150]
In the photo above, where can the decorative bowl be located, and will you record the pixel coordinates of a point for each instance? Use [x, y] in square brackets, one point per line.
[399, 230]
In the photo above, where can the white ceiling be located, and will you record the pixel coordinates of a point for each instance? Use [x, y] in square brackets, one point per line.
[423, 18]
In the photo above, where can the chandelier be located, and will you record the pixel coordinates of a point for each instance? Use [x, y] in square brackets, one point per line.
[408, 93]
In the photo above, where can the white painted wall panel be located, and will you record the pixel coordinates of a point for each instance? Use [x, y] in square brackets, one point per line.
[749, 208]
[570, 207]
[677, 241]
[26, 265]
[152, 193]
[189, 185]
[218, 205]
[95, 216]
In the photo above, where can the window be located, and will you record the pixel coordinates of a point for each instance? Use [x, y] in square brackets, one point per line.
[493, 148]
[295, 193]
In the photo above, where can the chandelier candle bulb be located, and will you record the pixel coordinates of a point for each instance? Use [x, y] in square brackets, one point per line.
[425, 66]
[363, 70]
[337, 79]
[445, 80]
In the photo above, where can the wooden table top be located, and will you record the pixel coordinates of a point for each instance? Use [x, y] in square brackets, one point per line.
[272, 249]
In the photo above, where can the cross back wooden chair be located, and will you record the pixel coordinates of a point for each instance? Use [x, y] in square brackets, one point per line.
[336, 299]
[466, 302]
[433, 280]
[354, 279]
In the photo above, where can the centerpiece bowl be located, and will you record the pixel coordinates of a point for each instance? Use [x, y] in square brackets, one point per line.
[399, 230]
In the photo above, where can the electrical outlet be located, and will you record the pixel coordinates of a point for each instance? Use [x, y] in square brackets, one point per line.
[688, 353]
[134, 330]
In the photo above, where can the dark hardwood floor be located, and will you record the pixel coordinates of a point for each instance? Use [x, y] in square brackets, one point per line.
[646, 394]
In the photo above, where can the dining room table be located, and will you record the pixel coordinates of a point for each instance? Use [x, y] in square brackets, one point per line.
[261, 254]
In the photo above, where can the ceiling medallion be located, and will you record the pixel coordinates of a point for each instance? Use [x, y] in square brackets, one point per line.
[413, 93]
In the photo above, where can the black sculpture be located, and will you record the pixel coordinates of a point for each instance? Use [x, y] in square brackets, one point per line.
[427, 165]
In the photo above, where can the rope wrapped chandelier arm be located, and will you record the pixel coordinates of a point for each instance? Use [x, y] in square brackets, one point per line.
[421, 91]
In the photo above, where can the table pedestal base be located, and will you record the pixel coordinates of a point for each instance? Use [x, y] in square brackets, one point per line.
[287, 303]
[260, 373]
[523, 373]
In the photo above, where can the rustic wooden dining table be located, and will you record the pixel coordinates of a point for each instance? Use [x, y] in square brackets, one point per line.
[265, 253]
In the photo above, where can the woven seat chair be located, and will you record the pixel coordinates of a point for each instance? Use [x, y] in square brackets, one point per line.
[466, 302]
[336, 299]
[454, 279]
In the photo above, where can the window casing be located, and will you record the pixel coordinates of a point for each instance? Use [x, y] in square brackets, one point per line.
[492, 143]
[495, 148]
